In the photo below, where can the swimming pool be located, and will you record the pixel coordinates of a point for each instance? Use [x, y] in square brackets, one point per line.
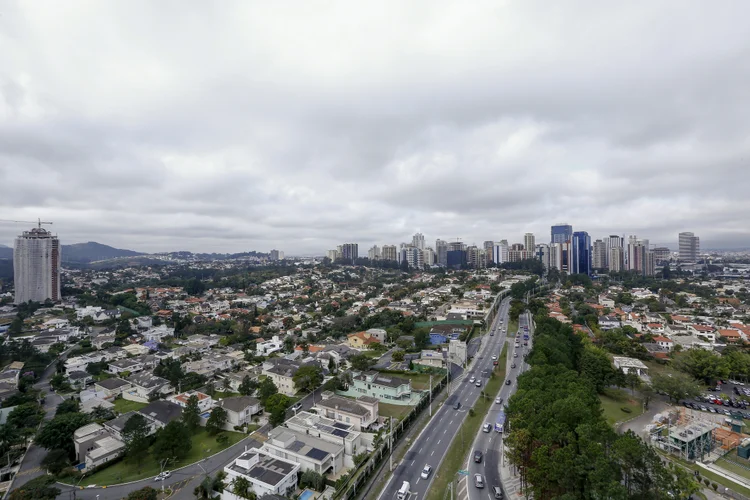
[306, 495]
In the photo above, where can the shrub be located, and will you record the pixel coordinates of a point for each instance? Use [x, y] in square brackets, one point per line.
[714, 486]
[626, 409]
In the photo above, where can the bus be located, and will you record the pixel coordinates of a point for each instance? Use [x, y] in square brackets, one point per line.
[500, 422]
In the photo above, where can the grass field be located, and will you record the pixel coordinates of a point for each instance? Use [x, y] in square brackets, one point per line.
[125, 471]
[732, 467]
[512, 328]
[460, 448]
[228, 394]
[421, 382]
[124, 406]
[613, 400]
[396, 411]
[707, 474]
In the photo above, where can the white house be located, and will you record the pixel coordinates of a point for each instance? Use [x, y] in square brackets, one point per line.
[266, 474]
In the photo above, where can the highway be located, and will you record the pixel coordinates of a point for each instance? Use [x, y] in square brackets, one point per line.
[430, 446]
[491, 443]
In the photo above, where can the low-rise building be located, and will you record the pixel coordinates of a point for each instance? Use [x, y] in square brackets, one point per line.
[144, 385]
[317, 425]
[112, 387]
[360, 413]
[80, 379]
[310, 452]
[281, 371]
[361, 340]
[205, 402]
[386, 388]
[95, 446]
[267, 475]
[609, 322]
[630, 365]
[240, 410]
[130, 365]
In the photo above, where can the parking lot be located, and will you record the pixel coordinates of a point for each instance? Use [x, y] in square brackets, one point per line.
[728, 398]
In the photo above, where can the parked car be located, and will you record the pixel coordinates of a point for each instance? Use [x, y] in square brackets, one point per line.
[471, 380]
[497, 492]
[515, 354]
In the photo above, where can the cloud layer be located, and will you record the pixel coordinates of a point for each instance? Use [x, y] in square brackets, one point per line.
[299, 125]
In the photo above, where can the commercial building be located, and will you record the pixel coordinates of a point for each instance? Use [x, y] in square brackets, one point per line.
[36, 266]
[417, 241]
[389, 252]
[529, 242]
[689, 247]
[561, 233]
[441, 252]
[599, 255]
[615, 259]
[500, 252]
[542, 253]
[614, 241]
[662, 255]
[350, 252]
[581, 253]
[374, 253]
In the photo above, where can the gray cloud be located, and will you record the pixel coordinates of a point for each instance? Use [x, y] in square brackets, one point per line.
[161, 126]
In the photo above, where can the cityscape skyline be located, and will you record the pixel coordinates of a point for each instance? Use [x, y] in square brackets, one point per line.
[258, 141]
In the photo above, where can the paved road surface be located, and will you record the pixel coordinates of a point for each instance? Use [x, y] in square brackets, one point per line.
[430, 447]
[491, 443]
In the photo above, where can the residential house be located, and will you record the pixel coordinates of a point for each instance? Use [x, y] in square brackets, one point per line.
[240, 410]
[310, 452]
[95, 446]
[158, 333]
[731, 336]
[655, 328]
[116, 426]
[136, 349]
[386, 388]
[361, 340]
[144, 385]
[605, 301]
[267, 475]
[266, 347]
[709, 332]
[236, 378]
[434, 359]
[131, 365]
[281, 371]
[100, 340]
[80, 379]
[161, 412]
[378, 333]
[91, 404]
[609, 322]
[360, 413]
[441, 334]
[317, 425]
[205, 402]
[112, 387]
[664, 342]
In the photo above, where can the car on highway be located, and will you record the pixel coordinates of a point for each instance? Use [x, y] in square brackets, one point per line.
[515, 354]
[457, 406]
[512, 366]
[426, 472]
[478, 456]
[297, 407]
[486, 428]
[507, 382]
[494, 357]
[162, 475]
[497, 492]
[471, 380]
[498, 400]
[478, 481]
[478, 383]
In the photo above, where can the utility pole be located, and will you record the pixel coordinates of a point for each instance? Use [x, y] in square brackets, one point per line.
[431, 391]
[391, 444]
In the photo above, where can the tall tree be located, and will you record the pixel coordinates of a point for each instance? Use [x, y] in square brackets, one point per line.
[266, 389]
[191, 415]
[172, 441]
[136, 437]
[216, 420]
[56, 433]
[277, 405]
[677, 386]
[361, 362]
[241, 487]
[248, 386]
[308, 377]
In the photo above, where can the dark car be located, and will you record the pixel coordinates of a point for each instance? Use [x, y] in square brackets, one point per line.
[507, 382]
[478, 456]
[457, 405]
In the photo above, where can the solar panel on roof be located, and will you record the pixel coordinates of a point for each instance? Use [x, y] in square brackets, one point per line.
[340, 433]
[316, 454]
[339, 425]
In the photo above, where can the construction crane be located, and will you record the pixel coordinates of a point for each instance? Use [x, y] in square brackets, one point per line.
[39, 222]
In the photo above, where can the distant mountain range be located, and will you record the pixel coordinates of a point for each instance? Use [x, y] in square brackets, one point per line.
[82, 253]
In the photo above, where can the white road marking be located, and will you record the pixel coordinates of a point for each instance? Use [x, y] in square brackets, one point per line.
[439, 441]
[433, 452]
[420, 449]
[417, 481]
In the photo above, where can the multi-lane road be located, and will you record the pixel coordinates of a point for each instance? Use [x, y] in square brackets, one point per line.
[491, 444]
[430, 446]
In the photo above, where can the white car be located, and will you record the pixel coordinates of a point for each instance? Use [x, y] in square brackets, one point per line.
[471, 380]
[162, 475]
[426, 472]
[494, 357]
[498, 400]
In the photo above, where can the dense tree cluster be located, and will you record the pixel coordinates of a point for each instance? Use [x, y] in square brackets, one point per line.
[559, 439]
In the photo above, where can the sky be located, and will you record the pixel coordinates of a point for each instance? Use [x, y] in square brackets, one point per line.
[238, 125]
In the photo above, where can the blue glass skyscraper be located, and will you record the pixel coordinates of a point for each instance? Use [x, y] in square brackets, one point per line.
[581, 253]
[561, 233]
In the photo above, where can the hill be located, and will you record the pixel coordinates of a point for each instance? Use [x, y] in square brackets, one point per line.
[92, 251]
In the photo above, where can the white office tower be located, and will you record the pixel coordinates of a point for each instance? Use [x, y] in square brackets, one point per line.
[613, 241]
[413, 257]
[599, 255]
[555, 256]
[543, 254]
[390, 252]
[616, 263]
[689, 247]
[500, 252]
[333, 255]
[529, 243]
[36, 266]
[428, 256]
[417, 241]
[374, 253]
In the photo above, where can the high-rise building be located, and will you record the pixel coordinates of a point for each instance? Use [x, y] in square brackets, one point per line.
[500, 252]
[529, 242]
[441, 252]
[613, 241]
[374, 253]
[581, 253]
[413, 256]
[662, 255]
[488, 245]
[273, 255]
[389, 252]
[649, 267]
[36, 266]
[615, 259]
[599, 255]
[417, 241]
[333, 255]
[689, 247]
[476, 257]
[561, 233]
[350, 252]
[543, 254]
[428, 256]
[640, 257]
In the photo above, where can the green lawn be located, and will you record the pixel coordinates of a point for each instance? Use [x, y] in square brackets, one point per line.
[707, 474]
[396, 411]
[512, 328]
[229, 394]
[421, 382]
[613, 400]
[124, 405]
[125, 471]
[460, 448]
[732, 467]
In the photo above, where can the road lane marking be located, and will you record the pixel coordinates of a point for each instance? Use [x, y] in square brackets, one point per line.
[439, 441]
[433, 452]
[420, 449]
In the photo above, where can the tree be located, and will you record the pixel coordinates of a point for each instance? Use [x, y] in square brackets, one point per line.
[191, 415]
[647, 393]
[361, 362]
[136, 436]
[241, 487]
[195, 287]
[677, 386]
[702, 364]
[39, 488]
[172, 441]
[248, 386]
[331, 365]
[209, 485]
[16, 326]
[216, 420]
[596, 367]
[398, 355]
[170, 369]
[146, 493]
[312, 479]
[421, 338]
[277, 405]
[56, 461]
[25, 417]
[68, 406]
[308, 377]
[56, 433]
[266, 389]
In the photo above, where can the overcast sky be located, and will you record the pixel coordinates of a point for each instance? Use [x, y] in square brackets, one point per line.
[231, 126]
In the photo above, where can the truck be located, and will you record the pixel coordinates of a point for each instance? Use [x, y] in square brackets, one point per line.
[500, 422]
